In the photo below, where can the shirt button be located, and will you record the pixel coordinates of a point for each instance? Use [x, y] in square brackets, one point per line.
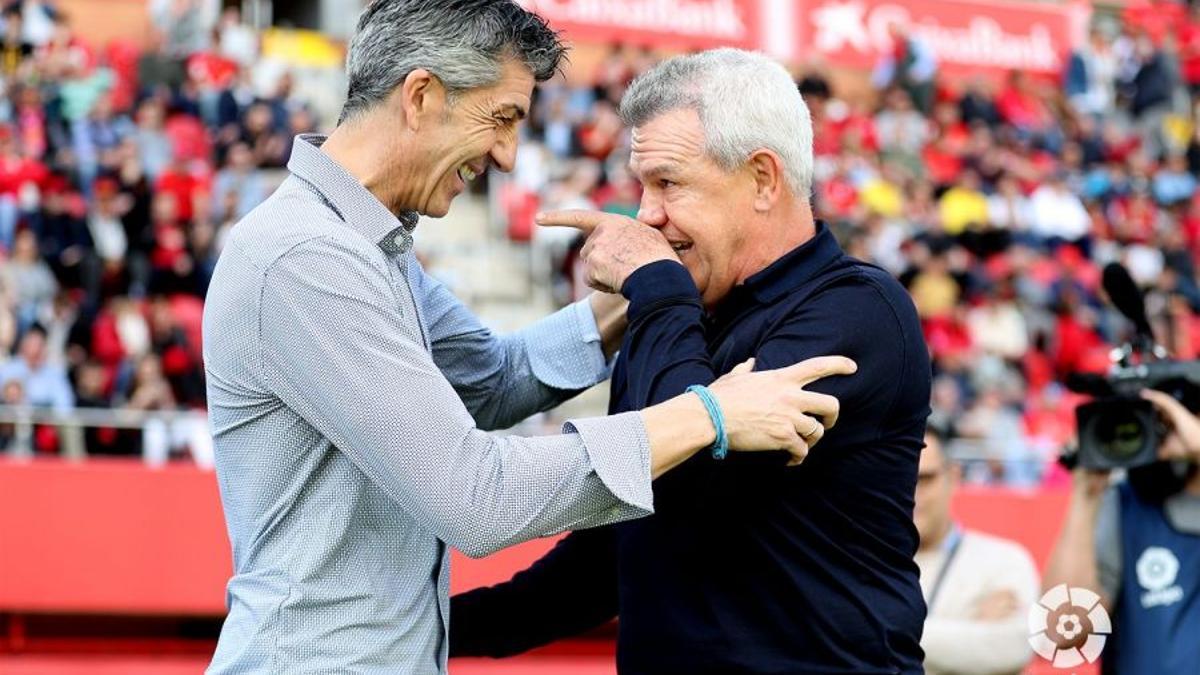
[399, 240]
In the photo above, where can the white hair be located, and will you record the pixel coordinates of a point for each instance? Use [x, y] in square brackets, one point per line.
[746, 102]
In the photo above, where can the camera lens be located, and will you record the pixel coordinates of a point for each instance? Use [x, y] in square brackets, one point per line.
[1119, 435]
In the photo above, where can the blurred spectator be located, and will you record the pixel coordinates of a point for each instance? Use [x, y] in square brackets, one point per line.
[910, 65]
[1009, 208]
[96, 138]
[977, 587]
[107, 231]
[238, 41]
[1091, 76]
[1152, 88]
[158, 71]
[37, 19]
[935, 291]
[93, 386]
[31, 282]
[1021, 105]
[155, 147]
[44, 384]
[901, 128]
[964, 205]
[1058, 214]
[12, 393]
[21, 179]
[187, 24]
[16, 50]
[242, 179]
[1173, 183]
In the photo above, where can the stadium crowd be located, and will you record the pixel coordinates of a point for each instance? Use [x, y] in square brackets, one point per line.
[996, 202]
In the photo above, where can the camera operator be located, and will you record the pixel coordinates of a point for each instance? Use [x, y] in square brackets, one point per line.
[1137, 543]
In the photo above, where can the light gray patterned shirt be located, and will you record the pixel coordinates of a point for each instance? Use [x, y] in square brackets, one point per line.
[347, 395]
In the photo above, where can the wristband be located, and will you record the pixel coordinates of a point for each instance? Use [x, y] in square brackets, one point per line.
[720, 447]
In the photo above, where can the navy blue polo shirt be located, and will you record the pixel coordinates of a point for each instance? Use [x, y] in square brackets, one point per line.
[748, 565]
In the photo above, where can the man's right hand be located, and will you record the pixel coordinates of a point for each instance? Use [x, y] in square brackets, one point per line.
[1089, 485]
[771, 410]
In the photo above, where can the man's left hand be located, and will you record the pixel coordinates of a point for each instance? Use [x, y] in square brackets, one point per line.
[1183, 442]
[616, 245]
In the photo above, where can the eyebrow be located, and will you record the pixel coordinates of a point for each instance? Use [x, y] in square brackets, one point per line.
[515, 109]
[659, 169]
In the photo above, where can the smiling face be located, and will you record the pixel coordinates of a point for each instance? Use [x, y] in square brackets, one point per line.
[464, 134]
[702, 209]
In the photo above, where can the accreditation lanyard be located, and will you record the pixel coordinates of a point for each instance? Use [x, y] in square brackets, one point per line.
[950, 546]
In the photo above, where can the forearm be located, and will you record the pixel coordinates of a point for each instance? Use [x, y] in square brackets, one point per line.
[504, 379]
[1073, 561]
[611, 320]
[975, 647]
[571, 589]
[665, 346]
[676, 430]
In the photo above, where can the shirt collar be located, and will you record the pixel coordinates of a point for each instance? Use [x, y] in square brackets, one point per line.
[786, 274]
[352, 201]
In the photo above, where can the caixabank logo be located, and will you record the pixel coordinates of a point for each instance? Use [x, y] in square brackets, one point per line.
[1068, 626]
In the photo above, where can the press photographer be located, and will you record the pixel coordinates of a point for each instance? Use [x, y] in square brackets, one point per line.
[1136, 541]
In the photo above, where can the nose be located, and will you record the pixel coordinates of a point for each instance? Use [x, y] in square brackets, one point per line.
[504, 152]
[651, 210]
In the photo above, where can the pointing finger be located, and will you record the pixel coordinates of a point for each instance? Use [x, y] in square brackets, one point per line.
[811, 370]
[585, 221]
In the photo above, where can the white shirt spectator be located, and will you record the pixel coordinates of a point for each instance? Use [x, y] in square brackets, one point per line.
[1057, 212]
[108, 236]
[955, 641]
[998, 328]
[902, 130]
[1010, 212]
[37, 22]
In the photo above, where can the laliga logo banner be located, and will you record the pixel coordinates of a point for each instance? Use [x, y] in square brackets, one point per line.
[964, 35]
[1068, 626]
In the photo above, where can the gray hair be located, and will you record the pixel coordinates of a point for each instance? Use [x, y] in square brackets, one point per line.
[745, 100]
[462, 42]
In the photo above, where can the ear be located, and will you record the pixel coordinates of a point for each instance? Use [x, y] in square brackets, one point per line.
[766, 169]
[956, 473]
[420, 95]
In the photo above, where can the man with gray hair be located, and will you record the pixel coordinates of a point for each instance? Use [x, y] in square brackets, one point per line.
[746, 566]
[348, 390]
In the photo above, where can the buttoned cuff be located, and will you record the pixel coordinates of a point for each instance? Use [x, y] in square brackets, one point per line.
[619, 452]
[565, 350]
[659, 283]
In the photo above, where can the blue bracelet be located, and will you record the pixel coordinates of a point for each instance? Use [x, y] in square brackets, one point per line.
[720, 447]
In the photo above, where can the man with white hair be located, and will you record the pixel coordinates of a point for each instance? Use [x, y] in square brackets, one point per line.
[746, 566]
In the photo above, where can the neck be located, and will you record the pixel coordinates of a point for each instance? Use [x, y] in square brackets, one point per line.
[357, 147]
[784, 230]
[937, 538]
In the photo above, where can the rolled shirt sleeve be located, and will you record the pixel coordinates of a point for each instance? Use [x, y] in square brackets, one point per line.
[502, 379]
[335, 348]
